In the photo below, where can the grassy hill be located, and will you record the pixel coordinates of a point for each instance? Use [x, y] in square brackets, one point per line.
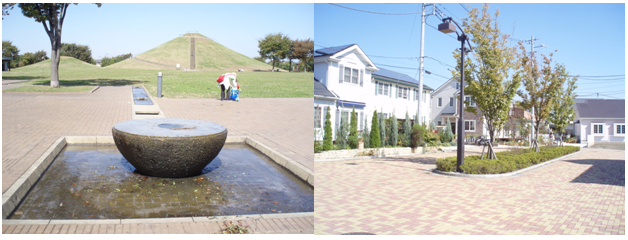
[209, 55]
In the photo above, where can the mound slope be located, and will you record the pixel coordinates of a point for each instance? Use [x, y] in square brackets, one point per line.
[208, 55]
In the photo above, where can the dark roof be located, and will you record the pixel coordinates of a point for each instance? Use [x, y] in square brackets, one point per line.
[601, 108]
[399, 76]
[330, 50]
[321, 90]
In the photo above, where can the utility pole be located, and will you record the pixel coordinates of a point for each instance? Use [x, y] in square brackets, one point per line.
[533, 142]
[420, 92]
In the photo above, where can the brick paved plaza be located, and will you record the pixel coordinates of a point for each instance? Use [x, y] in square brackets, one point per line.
[31, 122]
[582, 194]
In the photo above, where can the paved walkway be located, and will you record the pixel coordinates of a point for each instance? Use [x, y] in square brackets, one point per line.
[31, 122]
[583, 194]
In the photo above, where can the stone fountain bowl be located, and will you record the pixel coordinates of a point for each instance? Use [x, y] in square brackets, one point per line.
[169, 147]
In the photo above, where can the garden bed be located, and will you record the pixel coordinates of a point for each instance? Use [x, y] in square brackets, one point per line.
[506, 161]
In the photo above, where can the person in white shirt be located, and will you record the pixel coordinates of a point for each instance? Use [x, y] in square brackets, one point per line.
[226, 85]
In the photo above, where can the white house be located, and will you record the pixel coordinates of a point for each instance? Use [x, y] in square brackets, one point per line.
[602, 119]
[353, 81]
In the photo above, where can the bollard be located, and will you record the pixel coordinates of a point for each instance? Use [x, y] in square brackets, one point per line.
[159, 85]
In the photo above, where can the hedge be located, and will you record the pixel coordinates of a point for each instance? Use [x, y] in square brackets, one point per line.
[507, 161]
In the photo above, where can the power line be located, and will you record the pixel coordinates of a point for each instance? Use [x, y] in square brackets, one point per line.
[360, 10]
[465, 7]
[449, 11]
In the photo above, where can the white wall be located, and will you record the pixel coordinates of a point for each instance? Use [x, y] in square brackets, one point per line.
[608, 134]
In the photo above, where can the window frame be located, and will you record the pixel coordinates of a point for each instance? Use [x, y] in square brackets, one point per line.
[440, 102]
[615, 125]
[465, 126]
[451, 102]
[318, 118]
[594, 129]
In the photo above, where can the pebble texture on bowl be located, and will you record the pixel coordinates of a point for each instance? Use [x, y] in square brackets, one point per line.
[169, 147]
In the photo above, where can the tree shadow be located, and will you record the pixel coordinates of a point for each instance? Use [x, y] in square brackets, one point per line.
[608, 172]
[94, 82]
[39, 77]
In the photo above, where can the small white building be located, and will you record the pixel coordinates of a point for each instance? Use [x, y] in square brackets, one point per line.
[6, 63]
[602, 119]
[352, 81]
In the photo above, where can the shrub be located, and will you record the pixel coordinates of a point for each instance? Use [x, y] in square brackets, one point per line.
[374, 141]
[353, 130]
[418, 131]
[318, 147]
[508, 161]
[327, 138]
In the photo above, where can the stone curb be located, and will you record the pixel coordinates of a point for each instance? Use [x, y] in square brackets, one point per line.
[153, 220]
[502, 175]
[14, 195]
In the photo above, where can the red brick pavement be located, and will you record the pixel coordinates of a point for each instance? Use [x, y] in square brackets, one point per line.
[31, 122]
[584, 194]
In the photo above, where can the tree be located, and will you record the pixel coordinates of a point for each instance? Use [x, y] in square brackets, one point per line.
[488, 70]
[304, 51]
[261, 59]
[382, 130]
[274, 46]
[80, 52]
[394, 137]
[51, 15]
[5, 9]
[106, 61]
[375, 136]
[353, 130]
[541, 87]
[327, 138]
[290, 55]
[366, 137]
[407, 131]
[449, 131]
[341, 133]
[9, 50]
[563, 110]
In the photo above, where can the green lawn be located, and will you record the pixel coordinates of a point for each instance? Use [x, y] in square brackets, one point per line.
[176, 83]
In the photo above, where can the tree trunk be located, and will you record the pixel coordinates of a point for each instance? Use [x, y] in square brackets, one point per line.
[290, 68]
[54, 68]
[273, 64]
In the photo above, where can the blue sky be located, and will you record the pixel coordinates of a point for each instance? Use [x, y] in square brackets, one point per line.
[115, 29]
[590, 38]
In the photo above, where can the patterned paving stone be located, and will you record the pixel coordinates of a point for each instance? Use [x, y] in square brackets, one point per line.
[584, 194]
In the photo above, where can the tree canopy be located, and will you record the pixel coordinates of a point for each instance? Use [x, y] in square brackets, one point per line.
[304, 51]
[51, 15]
[489, 84]
[80, 52]
[275, 47]
[9, 50]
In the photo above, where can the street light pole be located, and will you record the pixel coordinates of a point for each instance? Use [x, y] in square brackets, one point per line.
[447, 27]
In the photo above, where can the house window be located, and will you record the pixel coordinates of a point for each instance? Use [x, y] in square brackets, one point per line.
[468, 99]
[439, 123]
[361, 121]
[457, 85]
[380, 88]
[416, 95]
[440, 103]
[597, 128]
[351, 75]
[317, 117]
[385, 89]
[403, 92]
[469, 125]
[620, 129]
[345, 117]
[451, 102]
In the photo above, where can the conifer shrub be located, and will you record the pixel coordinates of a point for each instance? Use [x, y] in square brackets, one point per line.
[327, 138]
[375, 137]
